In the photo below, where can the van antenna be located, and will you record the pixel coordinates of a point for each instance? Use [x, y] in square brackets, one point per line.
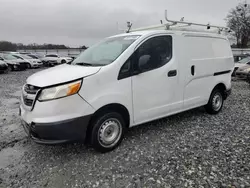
[129, 25]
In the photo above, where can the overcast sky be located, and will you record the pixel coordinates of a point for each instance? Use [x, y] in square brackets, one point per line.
[84, 22]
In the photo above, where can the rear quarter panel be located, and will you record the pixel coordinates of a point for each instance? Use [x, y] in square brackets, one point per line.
[209, 55]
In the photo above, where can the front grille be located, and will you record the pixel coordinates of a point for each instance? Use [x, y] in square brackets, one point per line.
[28, 102]
[29, 95]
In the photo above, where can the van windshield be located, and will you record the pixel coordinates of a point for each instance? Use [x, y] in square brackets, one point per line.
[105, 52]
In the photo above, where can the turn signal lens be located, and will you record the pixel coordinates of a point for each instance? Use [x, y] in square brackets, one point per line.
[74, 88]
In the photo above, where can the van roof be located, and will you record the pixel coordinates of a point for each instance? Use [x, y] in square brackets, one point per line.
[174, 32]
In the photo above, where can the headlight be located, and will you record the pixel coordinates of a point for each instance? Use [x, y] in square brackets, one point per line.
[60, 91]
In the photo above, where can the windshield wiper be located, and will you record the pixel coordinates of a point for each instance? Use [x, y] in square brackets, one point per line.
[89, 64]
[84, 64]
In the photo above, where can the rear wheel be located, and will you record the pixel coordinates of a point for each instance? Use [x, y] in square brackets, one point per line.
[107, 131]
[215, 102]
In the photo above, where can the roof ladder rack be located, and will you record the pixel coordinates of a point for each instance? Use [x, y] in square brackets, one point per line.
[177, 25]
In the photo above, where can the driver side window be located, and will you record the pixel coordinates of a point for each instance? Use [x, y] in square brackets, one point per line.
[153, 53]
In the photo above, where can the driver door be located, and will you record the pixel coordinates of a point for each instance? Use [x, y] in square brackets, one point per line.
[155, 84]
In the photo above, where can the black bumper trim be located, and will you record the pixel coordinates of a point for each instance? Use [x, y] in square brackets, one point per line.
[227, 93]
[222, 72]
[71, 130]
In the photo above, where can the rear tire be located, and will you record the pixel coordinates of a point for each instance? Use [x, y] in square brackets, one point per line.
[107, 131]
[215, 102]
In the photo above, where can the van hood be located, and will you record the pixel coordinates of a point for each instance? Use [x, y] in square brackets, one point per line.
[60, 74]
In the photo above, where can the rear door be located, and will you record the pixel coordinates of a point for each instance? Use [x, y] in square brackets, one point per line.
[207, 56]
[156, 90]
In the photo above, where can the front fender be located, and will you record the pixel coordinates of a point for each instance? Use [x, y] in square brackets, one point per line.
[111, 98]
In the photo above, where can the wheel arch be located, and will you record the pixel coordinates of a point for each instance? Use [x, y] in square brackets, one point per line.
[116, 107]
[222, 87]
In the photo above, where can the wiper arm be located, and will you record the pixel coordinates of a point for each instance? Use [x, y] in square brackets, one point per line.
[84, 64]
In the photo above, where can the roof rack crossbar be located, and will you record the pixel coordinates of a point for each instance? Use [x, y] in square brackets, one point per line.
[191, 23]
[178, 24]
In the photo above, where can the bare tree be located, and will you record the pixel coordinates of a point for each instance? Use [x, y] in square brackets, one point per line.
[238, 20]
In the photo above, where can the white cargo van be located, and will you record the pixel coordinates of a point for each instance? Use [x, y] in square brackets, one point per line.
[126, 80]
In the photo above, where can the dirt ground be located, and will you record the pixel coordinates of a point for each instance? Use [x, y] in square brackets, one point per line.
[192, 149]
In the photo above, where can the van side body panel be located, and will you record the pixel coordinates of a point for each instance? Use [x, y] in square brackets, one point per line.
[209, 54]
[212, 62]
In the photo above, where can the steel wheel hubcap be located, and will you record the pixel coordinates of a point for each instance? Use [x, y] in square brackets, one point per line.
[110, 132]
[217, 101]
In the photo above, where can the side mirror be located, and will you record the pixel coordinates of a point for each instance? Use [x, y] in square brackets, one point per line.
[143, 62]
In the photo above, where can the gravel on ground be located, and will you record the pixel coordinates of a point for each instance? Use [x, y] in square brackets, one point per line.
[191, 149]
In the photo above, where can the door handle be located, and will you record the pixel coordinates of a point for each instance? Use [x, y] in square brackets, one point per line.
[192, 70]
[172, 73]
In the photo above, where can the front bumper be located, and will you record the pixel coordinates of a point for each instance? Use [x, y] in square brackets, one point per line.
[58, 132]
[56, 121]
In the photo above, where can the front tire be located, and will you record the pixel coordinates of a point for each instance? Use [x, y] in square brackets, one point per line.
[63, 61]
[107, 131]
[28, 66]
[215, 102]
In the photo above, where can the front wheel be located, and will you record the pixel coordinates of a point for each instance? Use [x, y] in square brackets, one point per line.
[215, 102]
[107, 131]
